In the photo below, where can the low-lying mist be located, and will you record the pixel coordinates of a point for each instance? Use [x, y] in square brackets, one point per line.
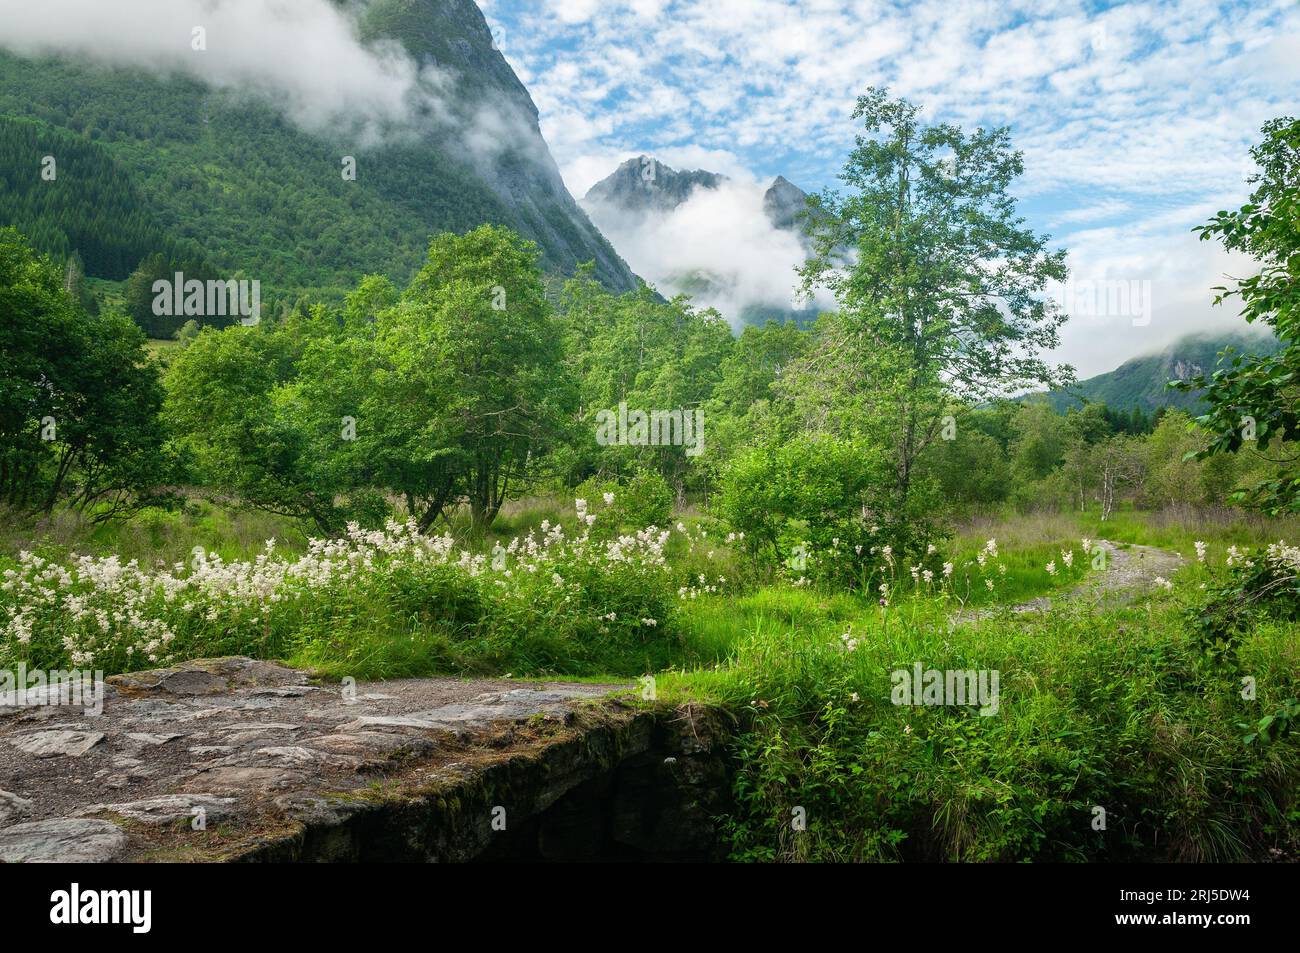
[718, 246]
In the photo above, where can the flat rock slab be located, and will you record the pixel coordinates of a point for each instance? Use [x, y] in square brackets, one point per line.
[221, 743]
[51, 744]
[62, 841]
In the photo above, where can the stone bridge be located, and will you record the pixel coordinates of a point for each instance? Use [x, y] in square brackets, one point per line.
[236, 759]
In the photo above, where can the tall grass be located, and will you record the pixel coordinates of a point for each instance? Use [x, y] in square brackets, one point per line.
[1106, 710]
[154, 535]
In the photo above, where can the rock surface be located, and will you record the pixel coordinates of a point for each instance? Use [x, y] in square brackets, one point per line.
[217, 758]
[63, 841]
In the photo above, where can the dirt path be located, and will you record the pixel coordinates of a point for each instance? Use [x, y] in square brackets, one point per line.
[1130, 571]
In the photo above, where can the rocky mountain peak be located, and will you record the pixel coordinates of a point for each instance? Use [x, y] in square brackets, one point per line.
[645, 184]
[784, 202]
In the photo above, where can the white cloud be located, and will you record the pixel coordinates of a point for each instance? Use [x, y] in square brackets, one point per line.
[303, 55]
[1126, 113]
[718, 246]
[1170, 274]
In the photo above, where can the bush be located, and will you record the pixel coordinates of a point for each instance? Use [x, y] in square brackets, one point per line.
[645, 499]
[1265, 586]
[825, 508]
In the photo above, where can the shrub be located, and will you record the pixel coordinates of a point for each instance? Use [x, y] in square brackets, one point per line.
[823, 506]
[645, 499]
[1265, 585]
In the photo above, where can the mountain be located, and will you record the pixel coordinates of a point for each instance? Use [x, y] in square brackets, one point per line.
[154, 160]
[1141, 381]
[784, 204]
[643, 185]
[730, 245]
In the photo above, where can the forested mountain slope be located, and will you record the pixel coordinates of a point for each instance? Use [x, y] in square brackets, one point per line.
[155, 162]
[1142, 381]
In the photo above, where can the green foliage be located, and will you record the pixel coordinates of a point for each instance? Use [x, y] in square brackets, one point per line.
[1276, 724]
[79, 397]
[1253, 402]
[1175, 475]
[971, 469]
[162, 164]
[631, 504]
[231, 411]
[638, 350]
[1128, 722]
[821, 505]
[471, 350]
[1039, 444]
[920, 325]
[89, 207]
[446, 394]
[1264, 586]
[140, 295]
[745, 407]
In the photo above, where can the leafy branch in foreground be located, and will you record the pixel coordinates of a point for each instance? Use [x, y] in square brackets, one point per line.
[1256, 402]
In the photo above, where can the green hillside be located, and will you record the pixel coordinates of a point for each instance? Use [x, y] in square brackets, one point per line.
[150, 164]
[1142, 381]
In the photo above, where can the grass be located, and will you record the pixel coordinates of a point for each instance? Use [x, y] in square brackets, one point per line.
[161, 347]
[153, 535]
[1117, 711]
[1177, 528]
[1107, 710]
[1112, 711]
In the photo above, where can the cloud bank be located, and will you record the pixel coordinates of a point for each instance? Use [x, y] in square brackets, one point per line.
[304, 56]
[718, 246]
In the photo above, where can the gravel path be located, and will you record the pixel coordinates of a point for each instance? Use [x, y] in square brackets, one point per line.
[1130, 571]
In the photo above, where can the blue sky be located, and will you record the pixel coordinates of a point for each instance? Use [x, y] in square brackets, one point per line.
[1134, 118]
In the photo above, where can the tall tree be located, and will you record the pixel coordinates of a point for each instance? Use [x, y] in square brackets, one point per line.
[468, 392]
[231, 411]
[79, 397]
[940, 287]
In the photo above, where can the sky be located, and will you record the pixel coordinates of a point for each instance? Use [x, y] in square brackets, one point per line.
[1135, 119]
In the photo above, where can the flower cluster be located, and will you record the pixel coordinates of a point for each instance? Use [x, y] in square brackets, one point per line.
[100, 610]
[1283, 558]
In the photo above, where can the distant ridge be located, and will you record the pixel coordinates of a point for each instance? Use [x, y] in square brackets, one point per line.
[1142, 382]
[644, 185]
